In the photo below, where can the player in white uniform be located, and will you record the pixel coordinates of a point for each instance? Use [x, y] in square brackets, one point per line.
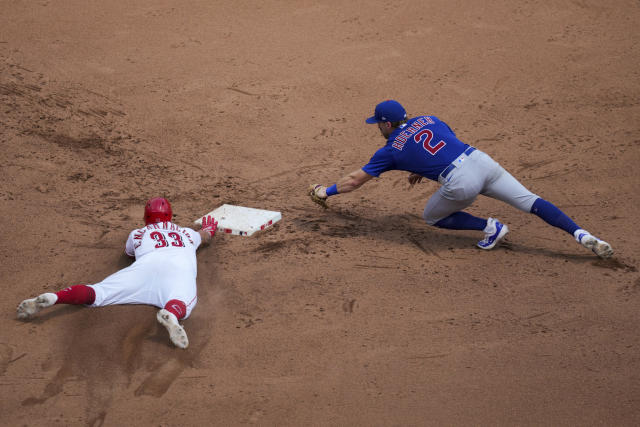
[163, 274]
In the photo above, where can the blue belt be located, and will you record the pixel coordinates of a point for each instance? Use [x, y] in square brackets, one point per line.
[453, 164]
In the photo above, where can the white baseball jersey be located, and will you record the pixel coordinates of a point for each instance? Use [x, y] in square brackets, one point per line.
[165, 268]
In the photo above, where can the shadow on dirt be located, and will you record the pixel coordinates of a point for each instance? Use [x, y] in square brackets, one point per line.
[411, 230]
[112, 347]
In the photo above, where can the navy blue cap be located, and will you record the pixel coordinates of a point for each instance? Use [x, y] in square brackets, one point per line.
[388, 111]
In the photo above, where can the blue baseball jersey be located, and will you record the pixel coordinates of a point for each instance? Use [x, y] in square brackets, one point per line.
[424, 145]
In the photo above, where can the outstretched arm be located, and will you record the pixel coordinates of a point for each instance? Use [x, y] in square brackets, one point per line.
[345, 184]
[352, 181]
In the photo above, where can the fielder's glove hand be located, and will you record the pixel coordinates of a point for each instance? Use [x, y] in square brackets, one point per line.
[210, 225]
[318, 194]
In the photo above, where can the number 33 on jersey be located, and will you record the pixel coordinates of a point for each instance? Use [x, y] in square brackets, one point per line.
[160, 236]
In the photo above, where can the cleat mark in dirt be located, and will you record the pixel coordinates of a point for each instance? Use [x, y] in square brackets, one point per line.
[161, 379]
[374, 266]
[98, 420]
[6, 352]
[419, 245]
[348, 306]
[244, 92]
[614, 264]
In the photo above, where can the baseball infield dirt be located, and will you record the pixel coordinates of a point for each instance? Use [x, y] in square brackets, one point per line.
[356, 315]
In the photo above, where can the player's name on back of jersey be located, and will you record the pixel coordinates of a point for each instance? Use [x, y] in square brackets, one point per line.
[167, 226]
[403, 136]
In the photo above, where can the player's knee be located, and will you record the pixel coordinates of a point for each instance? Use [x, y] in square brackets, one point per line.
[429, 219]
[177, 307]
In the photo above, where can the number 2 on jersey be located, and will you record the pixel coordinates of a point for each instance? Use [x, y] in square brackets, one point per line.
[425, 136]
[162, 241]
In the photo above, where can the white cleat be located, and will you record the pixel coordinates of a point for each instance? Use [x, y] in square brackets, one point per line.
[29, 307]
[493, 233]
[176, 332]
[589, 241]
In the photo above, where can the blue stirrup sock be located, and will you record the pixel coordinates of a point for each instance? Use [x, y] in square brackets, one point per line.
[462, 221]
[545, 210]
[553, 216]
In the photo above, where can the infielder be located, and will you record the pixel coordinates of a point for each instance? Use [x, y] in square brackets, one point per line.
[426, 147]
[163, 274]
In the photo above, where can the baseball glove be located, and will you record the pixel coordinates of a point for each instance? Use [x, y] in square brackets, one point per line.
[318, 194]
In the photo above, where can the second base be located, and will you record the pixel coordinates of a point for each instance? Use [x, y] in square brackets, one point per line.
[240, 220]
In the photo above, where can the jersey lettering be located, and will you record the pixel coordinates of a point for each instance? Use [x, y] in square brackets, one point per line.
[401, 139]
[425, 136]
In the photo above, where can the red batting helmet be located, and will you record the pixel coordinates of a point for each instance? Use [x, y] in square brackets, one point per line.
[158, 209]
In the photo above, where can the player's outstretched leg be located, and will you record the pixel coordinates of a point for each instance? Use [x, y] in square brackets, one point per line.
[589, 241]
[176, 332]
[555, 217]
[493, 233]
[29, 307]
[76, 295]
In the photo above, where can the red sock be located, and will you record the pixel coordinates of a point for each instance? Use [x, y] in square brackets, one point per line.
[76, 294]
[177, 307]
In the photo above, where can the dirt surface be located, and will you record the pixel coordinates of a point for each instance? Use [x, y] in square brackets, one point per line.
[358, 315]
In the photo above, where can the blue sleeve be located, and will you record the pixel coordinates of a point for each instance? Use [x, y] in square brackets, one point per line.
[381, 161]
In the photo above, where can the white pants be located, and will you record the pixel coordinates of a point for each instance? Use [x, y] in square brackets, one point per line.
[478, 174]
[154, 279]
